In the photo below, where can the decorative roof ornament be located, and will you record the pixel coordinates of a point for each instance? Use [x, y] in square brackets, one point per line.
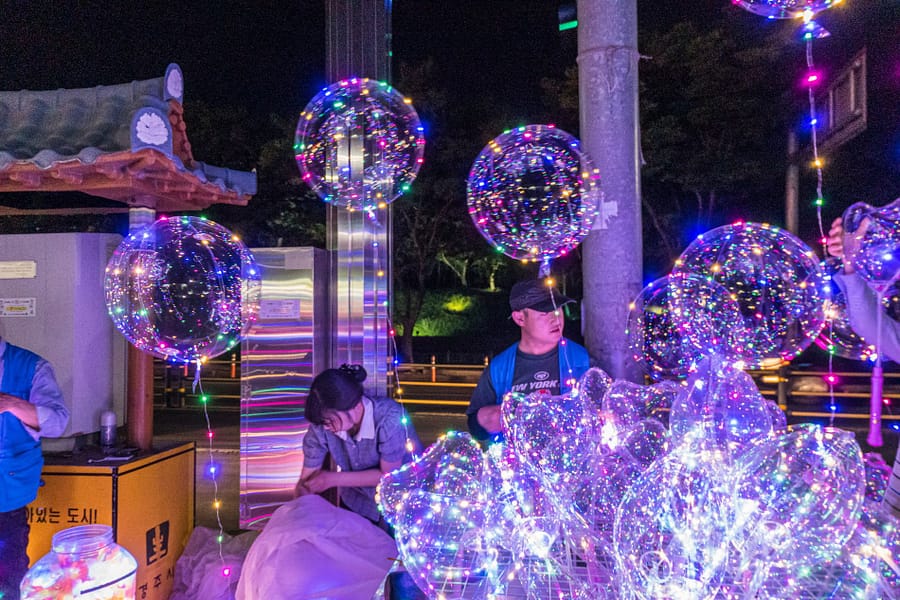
[124, 142]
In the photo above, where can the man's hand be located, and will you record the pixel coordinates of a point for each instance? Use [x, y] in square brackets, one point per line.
[489, 418]
[835, 242]
[20, 409]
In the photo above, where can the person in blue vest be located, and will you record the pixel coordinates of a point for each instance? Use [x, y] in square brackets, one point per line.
[31, 407]
[542, 359]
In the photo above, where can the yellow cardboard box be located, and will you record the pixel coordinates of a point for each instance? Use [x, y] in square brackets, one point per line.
[148, 500]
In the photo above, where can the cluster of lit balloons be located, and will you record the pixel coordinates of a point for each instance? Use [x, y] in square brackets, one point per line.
[690, 490]
[184, 289]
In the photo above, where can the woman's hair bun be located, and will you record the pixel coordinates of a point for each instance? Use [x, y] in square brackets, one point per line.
[357, 372]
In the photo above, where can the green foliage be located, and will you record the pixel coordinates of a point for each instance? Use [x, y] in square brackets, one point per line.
[451, 313]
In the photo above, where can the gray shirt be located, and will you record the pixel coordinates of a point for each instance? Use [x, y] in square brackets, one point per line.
[384, 437]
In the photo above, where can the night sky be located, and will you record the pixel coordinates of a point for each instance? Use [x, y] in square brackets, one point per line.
[269, 55]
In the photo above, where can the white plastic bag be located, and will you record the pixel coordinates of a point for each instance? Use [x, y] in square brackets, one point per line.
[312, 549]
[198, 572]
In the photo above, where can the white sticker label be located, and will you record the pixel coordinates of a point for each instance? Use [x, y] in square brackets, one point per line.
[279, 309]
[17, 307]
[18, 269]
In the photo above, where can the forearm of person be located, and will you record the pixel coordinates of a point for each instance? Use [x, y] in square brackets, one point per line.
[863, 309]
[489, 419]
[478, 432]
[482, 397]
[46, 397]
[23, 410]
[366, 478]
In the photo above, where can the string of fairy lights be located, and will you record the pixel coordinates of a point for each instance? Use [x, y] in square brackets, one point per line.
[811, 31]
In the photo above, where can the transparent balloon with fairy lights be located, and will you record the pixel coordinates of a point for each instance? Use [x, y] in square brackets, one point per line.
[359, 144]
[533, 193]
[837, 336]
[183, 289]
[671, 532]
[872, 242]
[776, 281]
[785, 9]
[672, 325]
[800, 496]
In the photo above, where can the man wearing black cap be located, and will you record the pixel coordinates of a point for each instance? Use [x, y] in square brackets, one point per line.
[542, 359]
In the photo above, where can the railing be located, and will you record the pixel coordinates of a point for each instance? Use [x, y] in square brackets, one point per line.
[800, 393]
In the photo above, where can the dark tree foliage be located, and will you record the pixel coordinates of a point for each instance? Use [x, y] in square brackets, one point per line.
[715, 104]
[284, 211]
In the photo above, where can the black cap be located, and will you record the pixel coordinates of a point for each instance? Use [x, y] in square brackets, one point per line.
[536, 295]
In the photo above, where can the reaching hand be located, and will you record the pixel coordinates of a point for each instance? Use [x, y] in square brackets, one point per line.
[314, 484]
[835, 243]
[845, 245]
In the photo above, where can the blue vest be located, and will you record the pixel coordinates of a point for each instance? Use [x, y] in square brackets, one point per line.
[571, 355]
[21, 460]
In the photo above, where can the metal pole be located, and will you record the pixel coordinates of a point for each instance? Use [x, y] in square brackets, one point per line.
[358, 44]
[791, 184]
[612, 252]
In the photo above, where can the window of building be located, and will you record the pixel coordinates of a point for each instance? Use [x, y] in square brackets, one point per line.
[842, 106]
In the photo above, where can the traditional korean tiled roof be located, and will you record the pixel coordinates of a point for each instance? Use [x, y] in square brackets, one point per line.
[122, 142]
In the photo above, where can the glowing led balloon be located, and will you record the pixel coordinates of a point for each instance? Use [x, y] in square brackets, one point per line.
[441, 507]
[533, 194]
[785, 9]
[874, 241]
[671, 326]
[723, 401]
[671, 529]
[359, 144]
[183, 289]
[801, 494]
[775, 279]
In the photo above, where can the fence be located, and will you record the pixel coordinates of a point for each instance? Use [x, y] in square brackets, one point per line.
[803, 394]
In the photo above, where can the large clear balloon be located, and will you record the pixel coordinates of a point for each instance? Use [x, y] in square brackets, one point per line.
[874, 241]
[672, 527]
[671, 326]
[184, 289]
[533, 193]
[775, 279]
[801, 494]
[359, 144]
[722, 401]
[784, 9]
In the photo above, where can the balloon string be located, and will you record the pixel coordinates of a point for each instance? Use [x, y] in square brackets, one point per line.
[214, 472]
[817, 163]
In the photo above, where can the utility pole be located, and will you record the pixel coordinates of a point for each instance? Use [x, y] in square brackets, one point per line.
[791, 184]
[612, 252]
